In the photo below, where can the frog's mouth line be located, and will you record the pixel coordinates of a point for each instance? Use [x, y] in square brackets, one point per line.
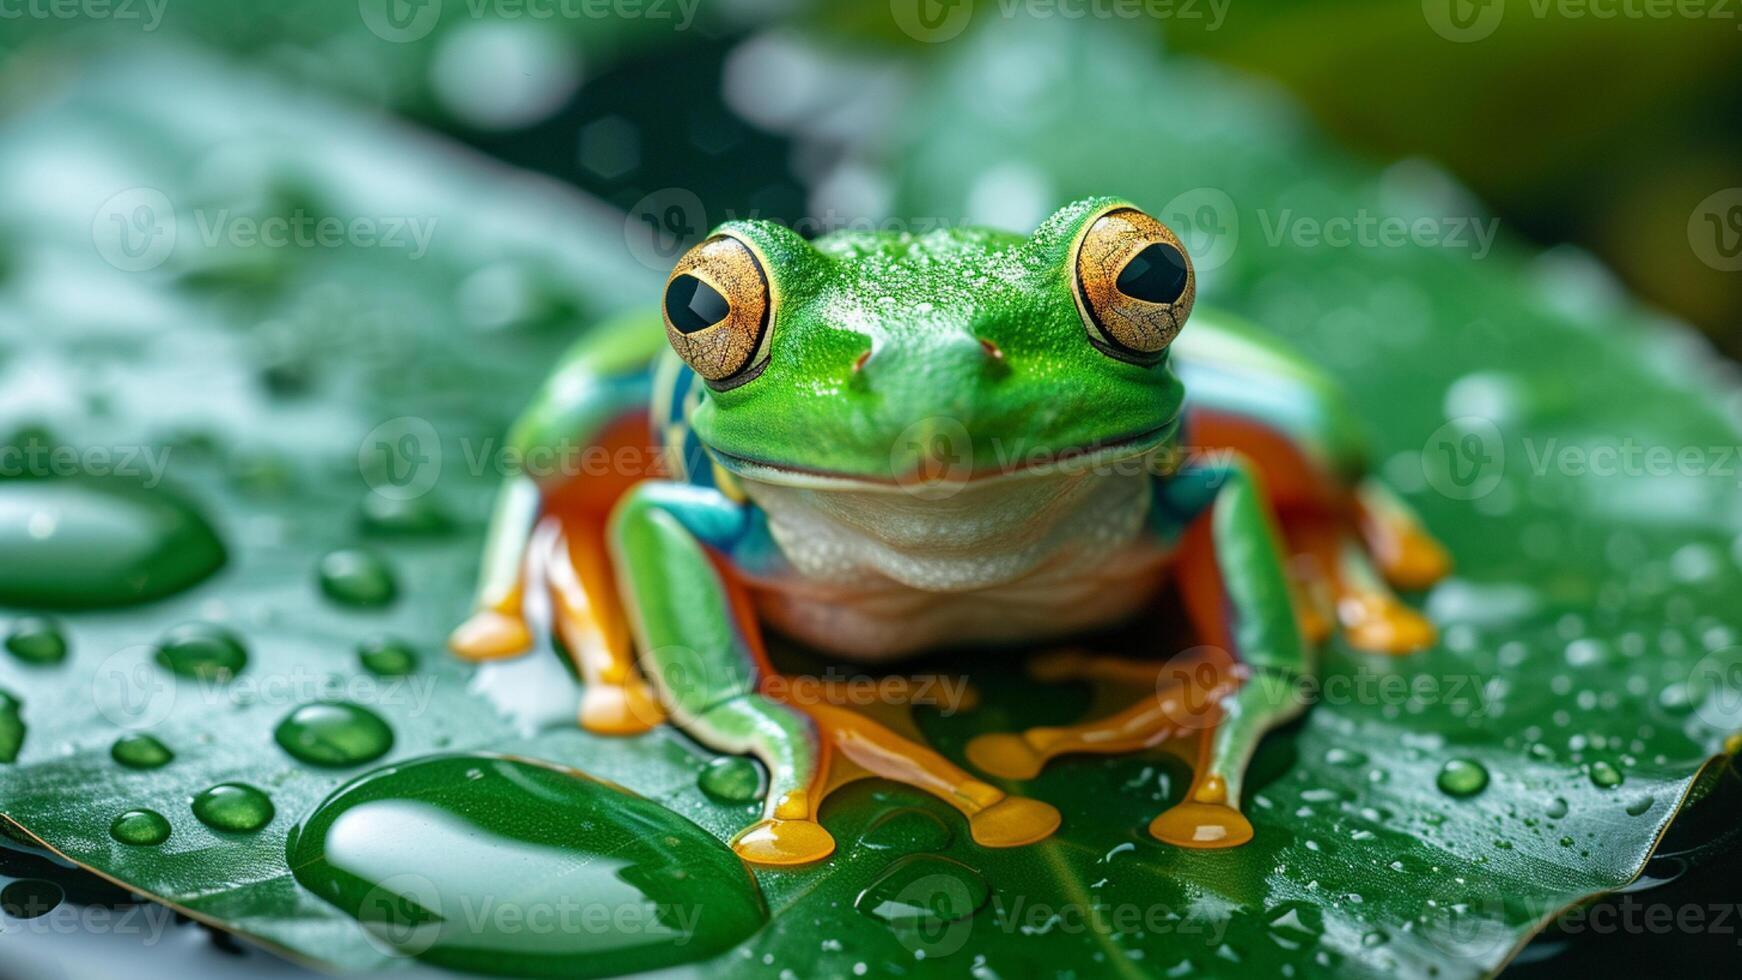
[1120, 455]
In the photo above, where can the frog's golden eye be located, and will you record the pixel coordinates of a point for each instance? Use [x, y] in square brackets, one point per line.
[1133, 283]
[717, 311]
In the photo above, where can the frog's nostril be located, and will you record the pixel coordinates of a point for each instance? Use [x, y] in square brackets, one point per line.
[992, 350]
[859, 362]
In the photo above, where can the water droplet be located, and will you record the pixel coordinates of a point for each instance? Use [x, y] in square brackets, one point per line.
[90, 543]
[202, 650]
[924, 892]
[1345, 758]
[387, 657]
[413, 517]
[11, 727]
[731, 779]
[907, 830]
[140, 828]
[354, 577]
[234, 807]
[37, 640]
[140, 752]
[1566, 842]
[1462, 777]
[530, 840]
[28, 898]
[1375, 938]
[1639, 806]
[334, 733]
[1557, 808]
[1604, 775]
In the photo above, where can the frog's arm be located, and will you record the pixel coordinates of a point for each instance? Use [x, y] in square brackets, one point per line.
[601, 381]
[1231, 572]
[675, 547]
[1233, 578]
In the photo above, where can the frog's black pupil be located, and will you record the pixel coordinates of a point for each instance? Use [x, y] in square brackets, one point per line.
[694, 305]
[1155, 275]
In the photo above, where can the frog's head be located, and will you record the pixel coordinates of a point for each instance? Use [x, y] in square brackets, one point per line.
[868, 358]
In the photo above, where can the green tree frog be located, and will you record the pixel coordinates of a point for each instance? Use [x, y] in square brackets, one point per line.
[882, 443]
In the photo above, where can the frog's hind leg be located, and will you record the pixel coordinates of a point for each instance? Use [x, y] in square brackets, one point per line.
[1179, 698]
[994, 818]
[1251, 394]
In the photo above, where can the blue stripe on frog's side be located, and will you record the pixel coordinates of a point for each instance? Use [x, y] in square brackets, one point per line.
[675, 392]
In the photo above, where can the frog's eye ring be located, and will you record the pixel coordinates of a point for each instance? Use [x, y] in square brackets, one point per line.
[1133, 284]
[717, 310]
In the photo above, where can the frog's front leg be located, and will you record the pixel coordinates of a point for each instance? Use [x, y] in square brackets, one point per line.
[674, 546]
[1232, 574]
[1249, 680]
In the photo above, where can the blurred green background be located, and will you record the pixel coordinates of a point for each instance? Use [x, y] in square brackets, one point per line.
[1608, 124]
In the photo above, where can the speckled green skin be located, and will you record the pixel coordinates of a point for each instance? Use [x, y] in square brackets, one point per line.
[921, 306]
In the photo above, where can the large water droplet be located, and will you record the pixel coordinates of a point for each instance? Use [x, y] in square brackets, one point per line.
[624, 884]
[1605, 776]
[924, 892]
[386, 656]
[11, 727]
[353, 577]
[140, 828]
[89, 543]
[140, 752]
[1462, 777]
[731, 779]
[907, 830]
[334, 733]
[234, 807]
[36, 640]
[202, 650]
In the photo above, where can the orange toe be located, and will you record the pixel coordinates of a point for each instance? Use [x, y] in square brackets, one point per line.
[1202, 826]
[1418, 562]
[783, 842]
[1013, 822]
[619, 709]
[1005, 755]
[1383, 625]
[490, 635]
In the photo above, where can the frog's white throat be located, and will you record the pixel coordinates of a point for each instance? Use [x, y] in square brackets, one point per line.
[976, 535]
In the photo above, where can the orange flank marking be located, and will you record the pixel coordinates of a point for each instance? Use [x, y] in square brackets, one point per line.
[624, 454]
[1293, 479]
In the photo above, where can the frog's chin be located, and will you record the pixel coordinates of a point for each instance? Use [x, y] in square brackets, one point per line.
[940, 479]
